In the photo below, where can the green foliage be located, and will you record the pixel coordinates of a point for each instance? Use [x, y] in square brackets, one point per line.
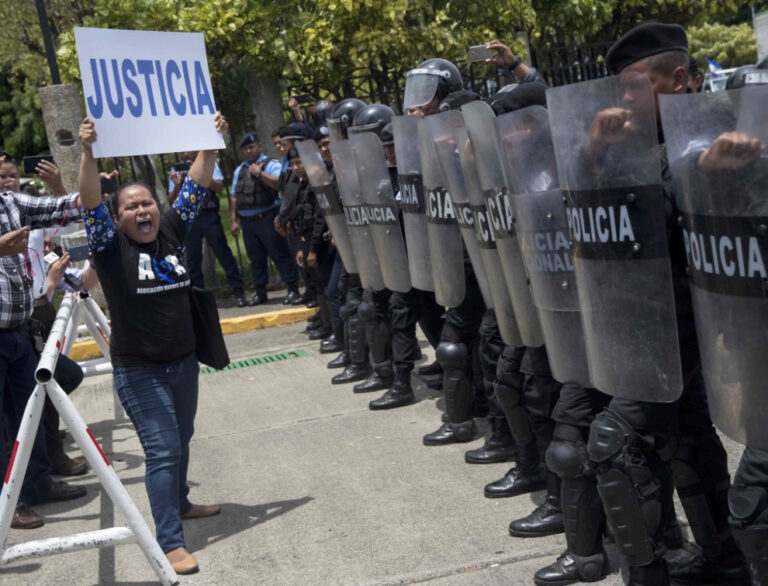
[730, 46]
[21, 121]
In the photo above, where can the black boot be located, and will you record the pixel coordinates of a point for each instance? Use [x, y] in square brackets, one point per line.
[239, 297]
[460, 427]
[353, 373]
[341, 361]
[433, 369]
[259, 297]
[399, 395]
[452, 433]
[752, 540]
[331, 344]
[654, 574]
[700, 570]
[382, 378]
[499, 447]
[319, 333]
[546, 519]
[571, 569]
[529, 476]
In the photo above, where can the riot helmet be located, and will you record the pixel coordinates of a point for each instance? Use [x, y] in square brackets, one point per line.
[372, 118]
[321, 111]
[433, 78]
[341, 117]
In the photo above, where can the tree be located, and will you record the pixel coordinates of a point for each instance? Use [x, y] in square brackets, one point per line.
[730, 46]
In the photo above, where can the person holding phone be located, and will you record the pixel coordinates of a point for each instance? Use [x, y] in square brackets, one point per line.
[18, 358]
[155, 369]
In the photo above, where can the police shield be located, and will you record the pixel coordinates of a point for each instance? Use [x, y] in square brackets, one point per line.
[723, 215]
[542, 230]
[479, 118]
[328, 199]
[406, 135]
[443, 133]
[355, 214]
[382, 212]
[606, 143]
[489, 254]
[445, 246]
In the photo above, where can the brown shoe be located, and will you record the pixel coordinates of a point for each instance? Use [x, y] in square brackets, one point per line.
[182, 561]
[26, 518]
[200, 511]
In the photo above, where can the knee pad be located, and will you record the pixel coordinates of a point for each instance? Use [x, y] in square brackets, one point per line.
[451, 356]
[631, 495]
[365, 311]
[345, 312]
[748, 505]
[567, 459]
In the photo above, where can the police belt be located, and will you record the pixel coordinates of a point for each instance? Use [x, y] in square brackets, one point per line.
[259, 216]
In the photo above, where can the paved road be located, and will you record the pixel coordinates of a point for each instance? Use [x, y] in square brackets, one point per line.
[315, 488]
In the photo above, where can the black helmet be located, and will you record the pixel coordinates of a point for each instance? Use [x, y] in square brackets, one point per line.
[342, 116]
[386, 135]
[372, 118]
[321, 111]
[434, 77]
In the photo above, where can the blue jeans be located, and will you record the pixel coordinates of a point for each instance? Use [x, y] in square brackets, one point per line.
[17, 382]
[161, 401]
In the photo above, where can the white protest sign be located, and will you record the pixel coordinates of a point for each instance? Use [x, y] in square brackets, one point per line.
[148, 92]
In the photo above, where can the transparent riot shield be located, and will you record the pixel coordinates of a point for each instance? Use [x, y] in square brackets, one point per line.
[445, 247]
[328, 199]
[443, 129]
[479, 118]
[606, 143]
[489, 254]
[381, 206]
[356, 215]
[723, 217]
[406, 134]
[542, 230]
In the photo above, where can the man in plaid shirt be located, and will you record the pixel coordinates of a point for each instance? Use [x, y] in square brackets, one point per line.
[18, 214]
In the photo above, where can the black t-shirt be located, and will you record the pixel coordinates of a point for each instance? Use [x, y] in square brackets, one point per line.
[147, 290]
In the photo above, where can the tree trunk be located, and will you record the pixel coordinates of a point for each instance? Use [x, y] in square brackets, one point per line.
[267, 107]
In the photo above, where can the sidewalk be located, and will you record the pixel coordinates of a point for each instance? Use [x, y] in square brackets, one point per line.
[315, 488]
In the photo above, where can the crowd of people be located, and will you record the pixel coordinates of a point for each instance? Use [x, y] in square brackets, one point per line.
[559, 270]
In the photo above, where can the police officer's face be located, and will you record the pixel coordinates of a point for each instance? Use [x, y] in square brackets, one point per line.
[324, 144]
[252, 151]
[278, 145]
[433, 107]
[389, 152]
[9, 176]
[663, 83]
[286, 145]
[298, 168]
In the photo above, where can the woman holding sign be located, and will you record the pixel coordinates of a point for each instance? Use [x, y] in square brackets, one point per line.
[139, 264]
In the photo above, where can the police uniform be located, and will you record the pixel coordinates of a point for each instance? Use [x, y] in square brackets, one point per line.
[634, 446]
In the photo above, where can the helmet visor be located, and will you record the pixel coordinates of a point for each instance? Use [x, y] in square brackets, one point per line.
[420, 88]
[336, 130]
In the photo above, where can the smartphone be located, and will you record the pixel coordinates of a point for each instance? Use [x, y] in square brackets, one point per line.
[78, 253]
[303, 98]
[108, 185]
[182, 166]
[51, 257]
[31, 163]
[479, 53]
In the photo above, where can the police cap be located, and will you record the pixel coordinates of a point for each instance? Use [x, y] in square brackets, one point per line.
[249, 138]
[645, 40]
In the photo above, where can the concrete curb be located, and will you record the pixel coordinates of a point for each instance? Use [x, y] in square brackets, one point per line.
[88, 349]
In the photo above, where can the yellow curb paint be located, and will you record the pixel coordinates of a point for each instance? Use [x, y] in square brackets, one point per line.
[88, 349]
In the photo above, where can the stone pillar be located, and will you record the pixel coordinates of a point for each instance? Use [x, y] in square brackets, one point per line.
[62, 117]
